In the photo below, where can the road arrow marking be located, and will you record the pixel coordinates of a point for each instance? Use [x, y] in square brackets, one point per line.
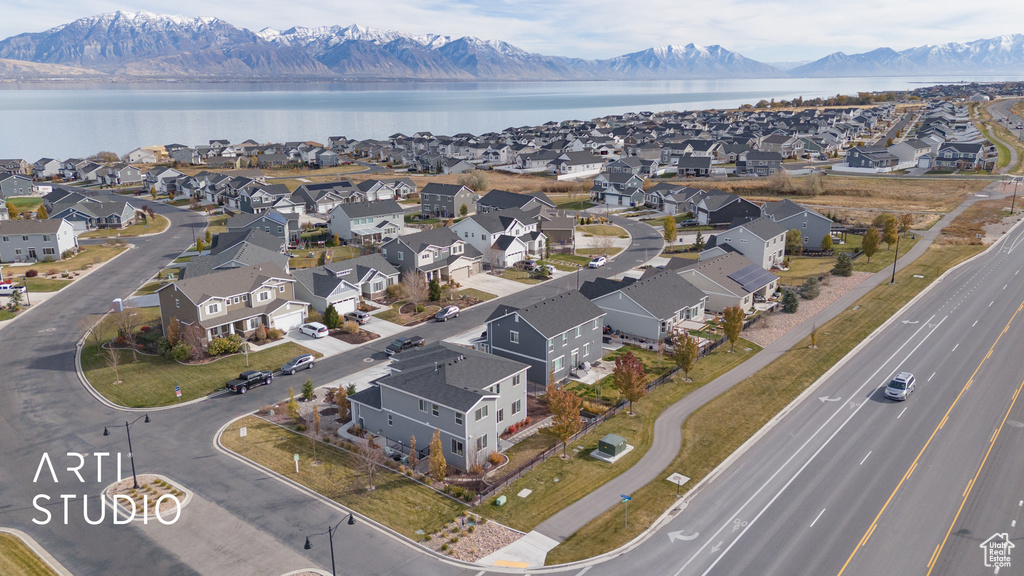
[909, 322]
[716, 547]
[827, 399]
[678, 535]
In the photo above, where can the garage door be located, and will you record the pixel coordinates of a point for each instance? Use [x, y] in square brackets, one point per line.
[288, 322]
[460, 274]
[345, 306]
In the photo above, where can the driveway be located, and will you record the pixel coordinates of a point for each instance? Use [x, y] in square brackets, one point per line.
[496, 285]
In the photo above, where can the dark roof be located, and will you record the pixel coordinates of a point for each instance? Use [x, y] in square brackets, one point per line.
[502, 199]
[368, 397]
[244, 253]
[30, 226]
[317, 280]
[419, 241]
[600, 286]
[443, 189]
[663, 294]
[764, 227]
[354, 270]
[255, 236]
[364, 209]
[555, 315]
[224, 283]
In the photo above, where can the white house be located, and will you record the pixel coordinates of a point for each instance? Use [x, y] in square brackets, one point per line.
[27, 240]
[367, 221]
[762, 241]
[504, 237]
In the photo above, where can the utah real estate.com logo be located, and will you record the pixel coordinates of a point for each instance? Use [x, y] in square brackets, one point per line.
[997, 551]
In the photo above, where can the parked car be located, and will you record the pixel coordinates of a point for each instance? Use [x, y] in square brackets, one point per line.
[298, 363]
[8, 288]
[314, 329]
[400, 344]
[901, 386]
[686, 223]
[358, 316]
[249, 379]
[529, 265]
[598, 262]
[551, 269]
[447, 313]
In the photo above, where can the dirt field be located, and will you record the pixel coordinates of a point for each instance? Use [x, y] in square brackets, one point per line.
[983, 223]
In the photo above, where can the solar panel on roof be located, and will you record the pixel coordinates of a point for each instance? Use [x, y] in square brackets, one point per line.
[752, 277]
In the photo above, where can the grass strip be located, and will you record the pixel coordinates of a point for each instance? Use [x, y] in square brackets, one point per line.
[153, 225]
[17, 559]
[721, 426]
[396, 501]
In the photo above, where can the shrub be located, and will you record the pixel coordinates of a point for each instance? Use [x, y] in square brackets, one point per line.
[53, 271]
[470, 529]
[495, 458]
[420, 308]
[261, 333]
[264, 410]
[810, 289]
[315, 316]
[331, 318]
[163, 347]
[307, 390]
[844, 265]
[350, 326]
[454, 540]
[275, 334]
[48, 259]
[444, 547]
[790, 304]
[476, 469]
[31, 273]
[180, 352]
[226, 345]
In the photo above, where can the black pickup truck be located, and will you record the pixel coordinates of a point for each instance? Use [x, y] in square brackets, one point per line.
[250, 379]
[403, 344]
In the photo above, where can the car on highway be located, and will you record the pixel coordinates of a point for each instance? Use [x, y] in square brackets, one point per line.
[400, 344]
[358, 316]
[298, 363]
[314, 329]
[598, 262]
[900, 387]
[447, 313]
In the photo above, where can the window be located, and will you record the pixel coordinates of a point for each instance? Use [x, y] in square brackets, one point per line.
[517, 380]
[245, 297]
[401, 255]
[435, 409]
[551, 344]
[423, 405]
[513, 336]
[5, 239]
[213, 308]
[586, 349]
[516, 407]
[480, 413]
[596, 320]
[46, 237]
[177, 303]
[497, 388]
[558, 363]
[481, 442]
[565, 338]
[391, 421]
[49, 251]
[24, 238]
[263, 296]
[579, 331]
[457, 447]
[234, 300]
[459, 418]
[501, 414]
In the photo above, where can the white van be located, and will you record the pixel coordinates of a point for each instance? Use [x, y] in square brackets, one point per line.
[7, 288]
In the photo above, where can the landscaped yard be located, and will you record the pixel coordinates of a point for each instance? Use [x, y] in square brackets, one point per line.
[153, 225]
[520, 276]
[150, 288]
[571, 260]
[393, 314]
[718, 428]
[478, 294]
[397, 502]
[151, 381]
[39, 284]
[581, 474]
[336, 254]
[612, 251]
[17, 559]
[217, 224]
[802, 267]
[25, 203]
[88, 256]
[602, 230]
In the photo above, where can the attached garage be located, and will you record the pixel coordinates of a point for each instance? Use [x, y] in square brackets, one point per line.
[289, 321]
[346, 305]
[459, 274]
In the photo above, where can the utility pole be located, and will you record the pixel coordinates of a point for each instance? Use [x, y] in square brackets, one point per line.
[895, 257]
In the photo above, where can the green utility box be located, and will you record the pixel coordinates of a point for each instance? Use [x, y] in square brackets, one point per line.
[612, 445]
[501, 500]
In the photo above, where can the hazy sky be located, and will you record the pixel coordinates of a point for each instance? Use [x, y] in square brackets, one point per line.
[766, 30]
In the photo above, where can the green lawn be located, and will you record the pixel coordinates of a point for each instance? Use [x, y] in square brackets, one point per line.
[153, 225]
[38, 284]
[6, 314]
[87, 257]
[719, 427]
[182, 260]
[216, 224]
[392, 314]
[25, 203]
[396, 501]
[580, 474]
[478, 294]
[17, 559]
[337, 254]
[150, 288]
[151, 381]
[570, 259]
[520, 276]
[602, 230]
[801, 267]
[574, 205]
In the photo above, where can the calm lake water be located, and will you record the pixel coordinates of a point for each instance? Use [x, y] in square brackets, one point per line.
[62, 121]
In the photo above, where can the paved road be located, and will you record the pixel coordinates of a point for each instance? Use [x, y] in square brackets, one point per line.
[999, 110]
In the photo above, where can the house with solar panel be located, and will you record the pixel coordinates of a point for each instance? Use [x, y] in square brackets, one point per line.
[728, 279]
[650, 307]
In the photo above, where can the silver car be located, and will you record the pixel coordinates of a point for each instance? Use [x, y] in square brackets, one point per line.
[901, 386]
[298, 363]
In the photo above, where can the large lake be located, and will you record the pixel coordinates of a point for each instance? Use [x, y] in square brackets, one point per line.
[61, 121]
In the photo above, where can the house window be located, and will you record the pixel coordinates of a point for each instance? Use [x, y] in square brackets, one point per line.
[457, 447]
[391, 421]
[401, 256]
[596, 320]
[579, 331]
[480, 413]
[435, 409]
[517, 380]
[513, 336]
[213, 308]
[565, 338]
[497, 388]
[423, 405]
[516, 407]
[586, 349]
[5, 239]
[481, 442]
[46, 237]
[49, 251]
[263, 296]
[177, 304]
[245, 297]
[551, 344]
[501, 414]
[558, 363]
[459, 418]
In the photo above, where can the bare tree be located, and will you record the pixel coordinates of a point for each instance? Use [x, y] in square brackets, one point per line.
[493, 258]
[314, 428]
[630, 378]
[603, 244]
[94, 325]
[127, 321]
[193, 336]
[370, 456]
[113, 358]
[414, 287]
[341, 401]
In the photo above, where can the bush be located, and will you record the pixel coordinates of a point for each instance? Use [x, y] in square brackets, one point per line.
[31, 273]
[495, 458]
[315, 316]
[350, 326]
[261, 333]
[844, 265]
[394, 291]
[180, 352]
[476, 469]
[444, 547]
[275, 334]
[331, 318]
[163, 347]
[790, 304]
[810, 289]
[226, 345]
[420, 308]
[307, 390]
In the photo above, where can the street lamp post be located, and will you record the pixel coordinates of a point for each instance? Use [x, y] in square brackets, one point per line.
[1014, 201]
[330, 538]
[131, 454]
[894, 258]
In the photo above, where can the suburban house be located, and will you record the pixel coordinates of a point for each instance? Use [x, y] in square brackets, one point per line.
[321, 198]
[556, 335]
[446, 200]
[503, 237]
[728, 280]
[258, 198]
[792, 216]
[233, 301]
[871, 157]
[374, 190]
[471, 397]
[618, 189]
[759, 163]
[558, 225]
[690, 165]
[717, 208]
[960, 156]
[648, 308]
[46, 168]
[761, 240]
[367, 222]
[911, 151]
[670, 198]
[27, 240]
[271, 222]
[16, 166]
[237, 249]
[15, 185]
[343, 284]
[438, 254]
[501, 200]
[88, 213]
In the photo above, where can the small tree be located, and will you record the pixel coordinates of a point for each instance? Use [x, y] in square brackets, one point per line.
[630, 378]
[173, 331]
[826, 242]
[890, 231]
[732, 325]
[331, 318]
[370, 457]
[671, 231]
[810, 289]
[292, 406]
[565, 410]
[113, 358]
[199, 245]
[314, 429]
[14, 301]
[341, 401]
[794, 242]
[414, 458]
[209, 237]
[438, 465]
[127, 322]
[434, 290]
[41, 212]
[869, 243]
[698, 242]
[844, 265]
[905, 222]
[414, 287]
[790, 303]
[12, 211]
[463, 210]
[686, 353]
[307, 390]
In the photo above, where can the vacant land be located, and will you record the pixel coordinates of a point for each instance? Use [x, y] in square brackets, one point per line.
[17, 559]
[395, 501]
[968, 227]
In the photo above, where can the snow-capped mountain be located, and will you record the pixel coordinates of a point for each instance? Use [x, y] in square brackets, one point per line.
[1003, 54]
[706, 61]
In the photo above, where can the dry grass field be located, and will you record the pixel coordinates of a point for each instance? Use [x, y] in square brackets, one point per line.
[969, 227]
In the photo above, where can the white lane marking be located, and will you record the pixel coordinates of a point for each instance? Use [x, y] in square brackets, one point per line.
[584, 571]
[865, 458]
[955, 347]
[930, 377]
[811, 437]
[991, 303]
[901, 412]
[1013, 524]
[481, 573]
[975, 324]
[816, 518]
[1004, 286]
[1021, 503]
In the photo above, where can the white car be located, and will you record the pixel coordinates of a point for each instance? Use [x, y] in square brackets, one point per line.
[314, 329]
[8, 288]
[598, 262]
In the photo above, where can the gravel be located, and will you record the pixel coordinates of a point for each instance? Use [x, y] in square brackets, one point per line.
[485, 539]
[777, 324]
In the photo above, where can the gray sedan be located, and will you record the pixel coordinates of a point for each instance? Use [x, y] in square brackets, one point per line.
[298, 363]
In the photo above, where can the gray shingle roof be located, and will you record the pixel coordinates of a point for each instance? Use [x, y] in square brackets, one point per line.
[764, 227]
[555, 315]
[30, 226]
[244, 253]
[502, 199]
[255, 236]
[317, 280]
[442, 189]
[664, 294]
[365, 209]
[224, 283]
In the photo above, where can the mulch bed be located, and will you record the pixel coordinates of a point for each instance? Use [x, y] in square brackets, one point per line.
[358, 338]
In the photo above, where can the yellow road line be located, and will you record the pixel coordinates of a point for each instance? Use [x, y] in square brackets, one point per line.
[928, 443]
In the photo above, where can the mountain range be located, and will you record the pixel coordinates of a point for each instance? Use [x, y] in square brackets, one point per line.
[141, 45]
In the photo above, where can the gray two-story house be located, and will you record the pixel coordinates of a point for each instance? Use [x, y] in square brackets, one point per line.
[273, 222]
[27, 240]
[438, 254]
[649, 308]
[446, 200]
[761, 240]
[555, 335]
[367, 222]
[471, 397]
[813, 227]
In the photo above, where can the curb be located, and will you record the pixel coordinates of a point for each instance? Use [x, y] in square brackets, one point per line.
[38, 550]
[108, 500]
